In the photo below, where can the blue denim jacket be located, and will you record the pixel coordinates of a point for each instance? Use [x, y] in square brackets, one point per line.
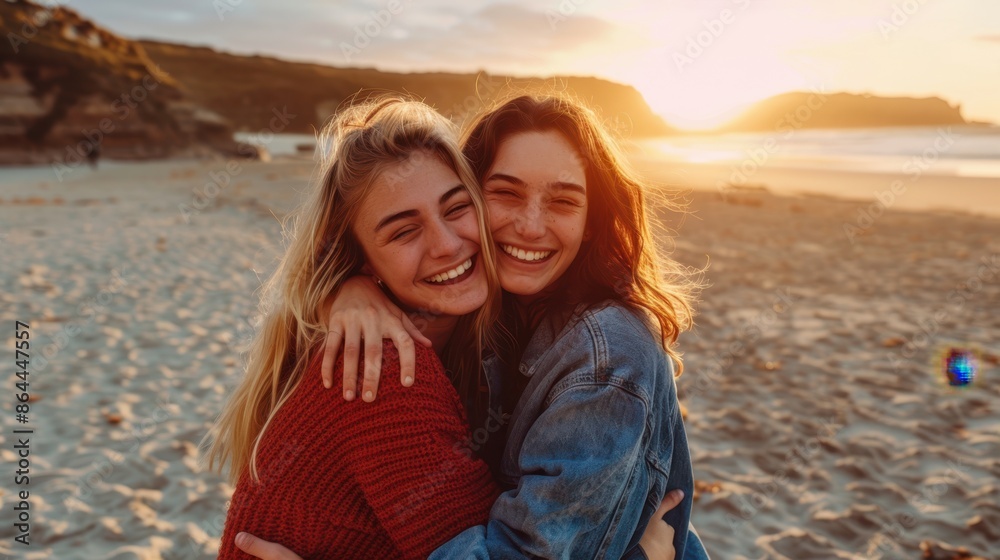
[595, 442]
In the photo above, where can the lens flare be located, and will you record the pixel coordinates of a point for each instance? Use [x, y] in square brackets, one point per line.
[960, 367]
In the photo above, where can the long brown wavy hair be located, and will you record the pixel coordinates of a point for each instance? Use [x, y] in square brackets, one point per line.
[361, 143]
[619, 260]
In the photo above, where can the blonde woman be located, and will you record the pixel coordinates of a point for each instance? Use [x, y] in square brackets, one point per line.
[396, 200]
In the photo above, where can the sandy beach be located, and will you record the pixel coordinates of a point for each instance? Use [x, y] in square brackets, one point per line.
[818, 421]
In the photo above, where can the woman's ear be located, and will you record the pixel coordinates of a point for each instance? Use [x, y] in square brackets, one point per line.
[368, 271]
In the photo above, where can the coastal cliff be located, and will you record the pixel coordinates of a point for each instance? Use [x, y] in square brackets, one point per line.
[248, 89]
[69, 87]
[845, 110]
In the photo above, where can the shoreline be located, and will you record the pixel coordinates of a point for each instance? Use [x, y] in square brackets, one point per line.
[927, 192]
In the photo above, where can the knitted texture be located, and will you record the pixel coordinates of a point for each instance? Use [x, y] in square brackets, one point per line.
[389, 479]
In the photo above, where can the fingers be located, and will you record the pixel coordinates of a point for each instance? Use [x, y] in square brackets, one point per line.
[262, 549]
[670, 501]
[330, 352]
[657, 539]
[367, 327]
[407, 355]
[352, 350]
[415, 333]
[373, 358]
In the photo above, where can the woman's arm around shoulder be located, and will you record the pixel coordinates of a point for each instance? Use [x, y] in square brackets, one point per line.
[411, 458]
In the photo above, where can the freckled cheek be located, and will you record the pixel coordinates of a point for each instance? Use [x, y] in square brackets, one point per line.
[570, 230]
[499, 217]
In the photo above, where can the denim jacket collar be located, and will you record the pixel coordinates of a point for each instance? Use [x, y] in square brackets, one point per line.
[543, 339]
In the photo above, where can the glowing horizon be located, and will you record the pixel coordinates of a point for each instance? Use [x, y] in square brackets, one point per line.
[697, 64]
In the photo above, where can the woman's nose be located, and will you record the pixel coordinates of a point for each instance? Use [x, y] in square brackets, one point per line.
[444, 241]
[530, 224]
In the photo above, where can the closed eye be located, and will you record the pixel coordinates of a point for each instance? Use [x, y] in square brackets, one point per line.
[502, 192]
[568, 202]
[402, 234]
[458, 208]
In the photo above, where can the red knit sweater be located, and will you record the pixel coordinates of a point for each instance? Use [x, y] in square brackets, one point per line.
[388, 479]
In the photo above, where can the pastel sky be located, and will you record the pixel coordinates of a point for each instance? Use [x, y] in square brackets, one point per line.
[697, 62]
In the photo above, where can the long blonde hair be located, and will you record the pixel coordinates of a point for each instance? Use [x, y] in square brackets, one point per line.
[358, 145]
[619, 261]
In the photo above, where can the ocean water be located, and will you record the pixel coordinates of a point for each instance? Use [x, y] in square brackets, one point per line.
[962, 151]
[279, 144]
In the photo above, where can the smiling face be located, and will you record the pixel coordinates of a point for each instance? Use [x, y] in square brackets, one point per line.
[536, 191]
[420, 235]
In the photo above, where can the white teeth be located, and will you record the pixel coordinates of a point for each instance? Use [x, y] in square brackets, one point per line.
[523, 255]
[451, 274]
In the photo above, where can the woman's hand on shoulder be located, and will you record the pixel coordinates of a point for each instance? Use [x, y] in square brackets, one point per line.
[658, 539]
[259, 548]
[361, 314]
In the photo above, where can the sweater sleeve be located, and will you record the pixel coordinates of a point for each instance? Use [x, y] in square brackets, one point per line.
[409, 454]
[388, 479]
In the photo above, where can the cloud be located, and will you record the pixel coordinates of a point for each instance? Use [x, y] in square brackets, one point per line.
[510, 36]
[989, 38]
[497, 36]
